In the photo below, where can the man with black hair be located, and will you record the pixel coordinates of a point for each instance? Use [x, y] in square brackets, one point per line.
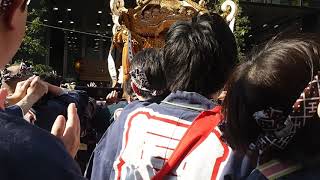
[146, 83]
[146, 75]
[198, 57]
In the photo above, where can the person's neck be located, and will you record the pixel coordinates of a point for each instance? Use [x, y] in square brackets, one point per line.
[2, 51]
[5, 44]
[215, 95]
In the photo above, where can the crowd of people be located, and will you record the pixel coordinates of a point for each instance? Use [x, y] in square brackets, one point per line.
[191, 112]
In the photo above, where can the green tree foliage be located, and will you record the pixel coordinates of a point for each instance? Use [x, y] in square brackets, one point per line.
[42, 69]
[33, 46]
[242, 28]
[242, 25]
[39, 69]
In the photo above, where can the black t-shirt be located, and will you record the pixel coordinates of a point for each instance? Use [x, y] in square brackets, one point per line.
[28, 152]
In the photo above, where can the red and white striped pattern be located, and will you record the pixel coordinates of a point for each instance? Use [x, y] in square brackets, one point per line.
[150, 138]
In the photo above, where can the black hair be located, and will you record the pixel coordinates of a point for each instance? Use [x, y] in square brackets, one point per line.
[150, 62]
[12, 77]
[51, 78]
[199, 54]
[273, 77]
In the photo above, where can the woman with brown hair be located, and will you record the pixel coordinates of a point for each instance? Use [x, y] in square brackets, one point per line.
[271, 109]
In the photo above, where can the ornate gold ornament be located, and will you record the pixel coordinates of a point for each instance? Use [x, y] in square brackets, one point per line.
[145, 25]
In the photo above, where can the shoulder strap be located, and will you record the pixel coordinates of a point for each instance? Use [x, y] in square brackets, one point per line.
[275, 169]
[199, 130]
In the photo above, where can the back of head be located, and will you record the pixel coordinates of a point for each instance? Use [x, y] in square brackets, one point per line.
[273, 78]
[147, 74]
[51, 78]
[199, 54]
[13, 74]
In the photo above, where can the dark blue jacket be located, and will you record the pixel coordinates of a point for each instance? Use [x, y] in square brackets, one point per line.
[30, 153]
[106, 154]
[102, 159]
[46, 111]
[14, 110]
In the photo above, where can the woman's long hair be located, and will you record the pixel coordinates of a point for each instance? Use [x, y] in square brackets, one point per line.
[274, 77]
